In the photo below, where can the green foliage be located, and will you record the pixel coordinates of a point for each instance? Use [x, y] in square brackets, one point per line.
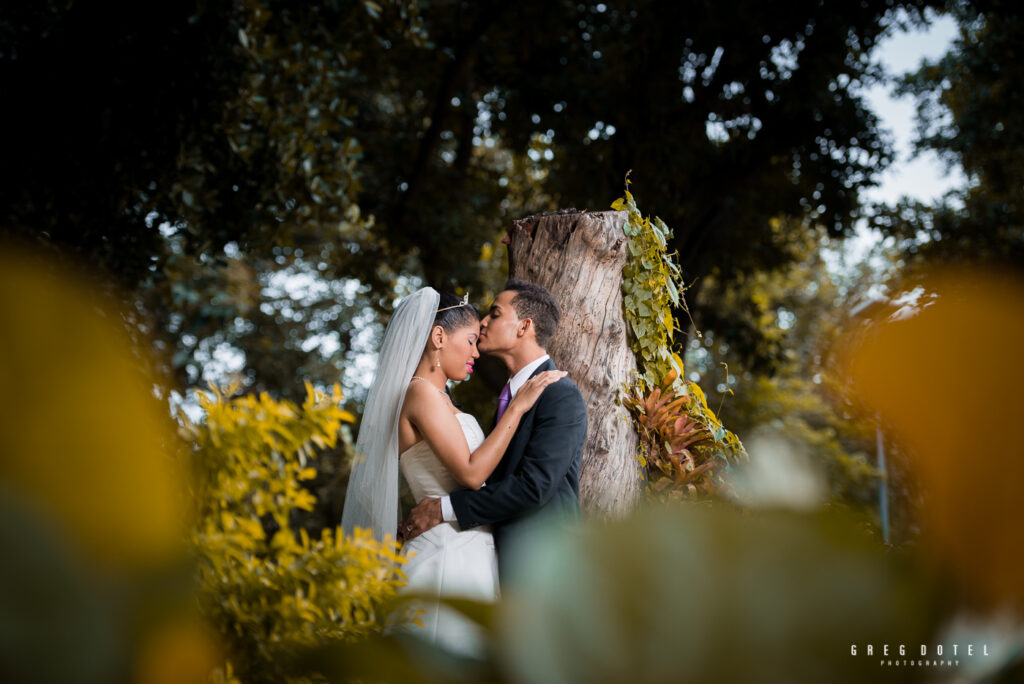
[374, 140]
[651, 285]
[684, 446]
[729, 124]
[968, 104]
[228, 164]
[840, 445]
[714, 594]
[726, 444]
[800, 310]
[272, 593]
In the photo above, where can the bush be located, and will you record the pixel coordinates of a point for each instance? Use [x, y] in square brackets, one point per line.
[271, 592]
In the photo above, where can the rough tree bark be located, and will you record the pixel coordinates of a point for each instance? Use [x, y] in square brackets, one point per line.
[579, 257]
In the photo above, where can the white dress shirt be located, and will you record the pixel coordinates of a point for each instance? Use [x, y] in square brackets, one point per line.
[515, 383]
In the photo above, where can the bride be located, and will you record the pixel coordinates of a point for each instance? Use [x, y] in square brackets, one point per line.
[409, 422]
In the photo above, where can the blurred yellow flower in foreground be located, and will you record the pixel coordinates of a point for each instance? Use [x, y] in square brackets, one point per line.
[85, 441]
[945, 378]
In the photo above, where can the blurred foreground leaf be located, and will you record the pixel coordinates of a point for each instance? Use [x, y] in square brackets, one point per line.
[81, 431]
[400, 655]
[95, 583]
[945, 375]
[709, 594]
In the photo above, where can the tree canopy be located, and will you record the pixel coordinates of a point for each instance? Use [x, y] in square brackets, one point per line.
[967, 103]
[202, 152]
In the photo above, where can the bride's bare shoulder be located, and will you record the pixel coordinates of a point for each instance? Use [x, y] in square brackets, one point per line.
[422, 394]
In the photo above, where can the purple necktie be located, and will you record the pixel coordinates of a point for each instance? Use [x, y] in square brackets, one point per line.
[503, 399]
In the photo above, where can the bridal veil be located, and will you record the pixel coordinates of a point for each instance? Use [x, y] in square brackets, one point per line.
[372, 497]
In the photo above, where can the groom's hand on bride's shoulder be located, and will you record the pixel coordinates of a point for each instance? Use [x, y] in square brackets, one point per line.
[424, 516]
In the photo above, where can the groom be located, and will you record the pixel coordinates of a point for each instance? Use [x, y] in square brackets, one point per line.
[540, 472]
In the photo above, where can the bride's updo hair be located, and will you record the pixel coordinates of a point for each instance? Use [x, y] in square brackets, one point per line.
[452, 314]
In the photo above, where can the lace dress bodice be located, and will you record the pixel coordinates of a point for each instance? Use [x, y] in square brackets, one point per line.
[426, 475]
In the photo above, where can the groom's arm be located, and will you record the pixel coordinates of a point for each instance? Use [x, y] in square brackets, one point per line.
[559, 430]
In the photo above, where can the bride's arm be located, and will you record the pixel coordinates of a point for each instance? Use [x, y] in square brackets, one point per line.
[431, 415]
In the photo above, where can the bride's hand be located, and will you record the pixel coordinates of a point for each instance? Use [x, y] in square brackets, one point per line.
[529, 393]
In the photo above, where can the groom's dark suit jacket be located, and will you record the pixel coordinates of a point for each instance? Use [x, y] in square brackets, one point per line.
[540, 472]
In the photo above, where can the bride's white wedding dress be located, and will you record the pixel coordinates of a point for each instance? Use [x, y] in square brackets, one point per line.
[444, 561]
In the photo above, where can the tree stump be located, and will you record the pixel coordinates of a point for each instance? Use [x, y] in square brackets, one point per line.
[579, 257]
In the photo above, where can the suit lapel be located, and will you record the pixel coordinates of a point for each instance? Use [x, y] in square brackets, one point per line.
[517, 445]
[547, 365]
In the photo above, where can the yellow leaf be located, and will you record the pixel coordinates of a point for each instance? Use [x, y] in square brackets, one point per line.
[304, 500]
[283, 540]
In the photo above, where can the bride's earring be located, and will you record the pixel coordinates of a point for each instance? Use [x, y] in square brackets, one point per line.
[437, 358]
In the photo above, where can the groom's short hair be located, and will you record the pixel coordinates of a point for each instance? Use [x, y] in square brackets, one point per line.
[536, 303]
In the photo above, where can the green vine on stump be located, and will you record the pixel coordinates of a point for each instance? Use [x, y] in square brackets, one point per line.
[684, 447]
[651, 284]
